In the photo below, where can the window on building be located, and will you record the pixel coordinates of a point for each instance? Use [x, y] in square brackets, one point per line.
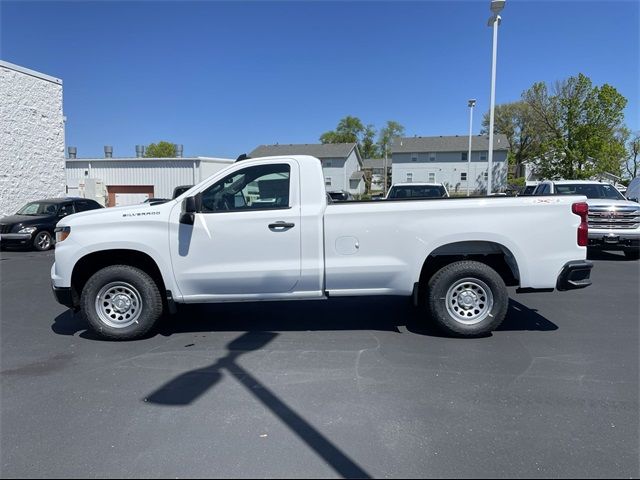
[486, 176]
[432, 157]
[464, 156]
[414, 157]
[327, 181]
[483, 156]
[409, 177]
[327, 164]
[463, 176]
[432, 177]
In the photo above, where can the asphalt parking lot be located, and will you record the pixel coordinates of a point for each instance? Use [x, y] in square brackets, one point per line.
[342, 388]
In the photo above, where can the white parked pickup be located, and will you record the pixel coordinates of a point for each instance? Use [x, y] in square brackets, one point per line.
[262, 230]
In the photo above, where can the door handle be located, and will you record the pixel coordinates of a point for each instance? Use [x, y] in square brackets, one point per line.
[280, 226]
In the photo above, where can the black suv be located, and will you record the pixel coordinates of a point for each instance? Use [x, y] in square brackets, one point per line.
[32, 226]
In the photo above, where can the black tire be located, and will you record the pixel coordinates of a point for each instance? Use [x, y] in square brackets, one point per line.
[42, 241]
[119, 283]
[632, 253]
[483, 299]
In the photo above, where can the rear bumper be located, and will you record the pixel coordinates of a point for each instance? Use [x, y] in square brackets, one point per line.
[574, 275]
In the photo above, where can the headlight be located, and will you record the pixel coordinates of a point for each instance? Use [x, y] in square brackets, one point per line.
[62, 233]
[27, 230]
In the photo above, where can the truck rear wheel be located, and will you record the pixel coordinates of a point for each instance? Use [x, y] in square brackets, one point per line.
[121, 302]
[467, 299]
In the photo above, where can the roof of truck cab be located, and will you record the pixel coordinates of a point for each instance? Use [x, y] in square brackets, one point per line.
[59, 200]
[573, 182]
[417, 184]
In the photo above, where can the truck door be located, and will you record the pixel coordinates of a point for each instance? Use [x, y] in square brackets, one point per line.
[245, 238]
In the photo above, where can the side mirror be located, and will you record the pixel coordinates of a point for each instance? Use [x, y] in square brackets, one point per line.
[190, 206]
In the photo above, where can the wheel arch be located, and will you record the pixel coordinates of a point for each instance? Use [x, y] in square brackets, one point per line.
[90, 263]
[494, 254]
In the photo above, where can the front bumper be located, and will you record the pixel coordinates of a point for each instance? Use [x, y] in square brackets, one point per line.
[15, 239]
[574, 275]
[63, 296]
[614, 238]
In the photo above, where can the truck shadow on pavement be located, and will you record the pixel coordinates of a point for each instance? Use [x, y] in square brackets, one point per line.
[262, 321]
[189, 386]
[373, 313]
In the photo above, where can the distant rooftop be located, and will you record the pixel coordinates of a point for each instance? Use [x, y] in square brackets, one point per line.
[150, 159]
[451, 143]
[318, 150]
[376, 162]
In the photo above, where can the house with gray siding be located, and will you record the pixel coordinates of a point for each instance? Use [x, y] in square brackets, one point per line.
[341, 162]
[444, 159]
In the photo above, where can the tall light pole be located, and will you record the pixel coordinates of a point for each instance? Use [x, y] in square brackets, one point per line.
[385, 168]
[496, 8]
[472, 103]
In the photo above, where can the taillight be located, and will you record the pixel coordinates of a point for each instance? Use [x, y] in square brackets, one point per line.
[582, 210]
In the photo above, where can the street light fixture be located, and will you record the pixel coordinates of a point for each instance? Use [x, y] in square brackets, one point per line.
[472, 103]
[494, 21]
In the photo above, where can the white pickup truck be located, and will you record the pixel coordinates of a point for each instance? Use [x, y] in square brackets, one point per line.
[614, 221]
[262, 230]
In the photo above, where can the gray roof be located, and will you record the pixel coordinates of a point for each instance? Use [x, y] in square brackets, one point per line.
[28, 71]
[319, 150]
[453, 143]
[376, 162]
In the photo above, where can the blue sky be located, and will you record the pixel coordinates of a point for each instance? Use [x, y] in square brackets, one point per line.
[224, 77]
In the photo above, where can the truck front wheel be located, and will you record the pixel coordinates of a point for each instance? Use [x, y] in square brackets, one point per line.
[121, 302]
[467, 299]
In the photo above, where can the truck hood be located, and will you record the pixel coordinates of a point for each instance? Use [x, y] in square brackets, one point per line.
[601, 202]
[111, 214]
[26, 219]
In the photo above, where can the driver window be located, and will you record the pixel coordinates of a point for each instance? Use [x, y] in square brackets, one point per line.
[253, 188]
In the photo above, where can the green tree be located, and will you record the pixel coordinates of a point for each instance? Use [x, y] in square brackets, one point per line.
[632, 163]
[388, 133]
[352, 130]
[516, 121]
[368, 147]
[349, 130]
[579, 128]
[161, 149]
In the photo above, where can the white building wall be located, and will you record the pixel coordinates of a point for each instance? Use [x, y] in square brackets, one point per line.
[164, 175]
[211, 166]
[32, 137]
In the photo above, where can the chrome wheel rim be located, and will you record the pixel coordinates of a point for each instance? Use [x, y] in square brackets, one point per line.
[469, 301]
[43, 240]
[118, 304]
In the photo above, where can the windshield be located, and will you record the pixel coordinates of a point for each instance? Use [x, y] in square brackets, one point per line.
[38, 208]
[590, 190]
[417, 191]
